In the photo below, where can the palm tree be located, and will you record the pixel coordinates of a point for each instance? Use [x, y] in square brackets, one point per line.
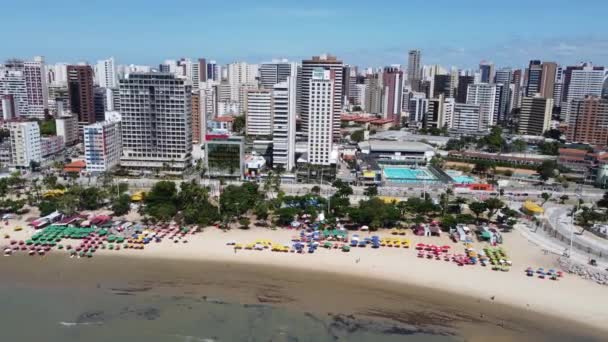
[546, 197]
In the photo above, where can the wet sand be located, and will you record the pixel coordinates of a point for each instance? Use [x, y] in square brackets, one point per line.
[345, 301]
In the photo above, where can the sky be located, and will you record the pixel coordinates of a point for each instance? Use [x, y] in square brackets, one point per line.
[360, 32]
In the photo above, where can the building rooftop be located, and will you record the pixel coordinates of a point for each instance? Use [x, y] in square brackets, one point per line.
[395, 146]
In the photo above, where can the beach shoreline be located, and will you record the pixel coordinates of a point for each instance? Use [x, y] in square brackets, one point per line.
[498, 296]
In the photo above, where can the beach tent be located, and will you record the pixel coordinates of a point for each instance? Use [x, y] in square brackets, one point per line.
[532, 208]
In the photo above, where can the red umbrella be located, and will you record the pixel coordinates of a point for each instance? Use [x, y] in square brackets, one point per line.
[445, 247]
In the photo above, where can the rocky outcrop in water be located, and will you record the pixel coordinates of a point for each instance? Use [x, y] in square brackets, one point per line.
[584, 271]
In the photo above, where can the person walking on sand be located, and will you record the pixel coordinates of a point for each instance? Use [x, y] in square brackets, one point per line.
[357, 261]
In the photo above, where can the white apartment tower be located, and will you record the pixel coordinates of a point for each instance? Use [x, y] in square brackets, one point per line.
[284, 123]
[156, 114]
[105, 73]
[465, 118]
[15, 73]
[241, 75]
[12, 85]
[275, 72]
[321, 97]
[588, 80]
[102, 146]
[487, 96]
[25, 144]
[258, 114]
[336, 67]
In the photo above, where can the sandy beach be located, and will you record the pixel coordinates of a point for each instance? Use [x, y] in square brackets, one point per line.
[479, 288]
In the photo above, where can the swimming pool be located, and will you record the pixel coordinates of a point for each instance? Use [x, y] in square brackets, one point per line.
[459, 178]
[408, 175]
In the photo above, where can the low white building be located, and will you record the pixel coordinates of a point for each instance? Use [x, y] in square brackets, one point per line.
[102, 146]
[25, 144]
[67, 127]
[51, 145]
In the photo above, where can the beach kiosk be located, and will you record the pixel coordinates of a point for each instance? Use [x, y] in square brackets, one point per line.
[531, 208]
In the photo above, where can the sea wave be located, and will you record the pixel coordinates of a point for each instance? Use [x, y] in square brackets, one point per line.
[71, 324]
[194, 338]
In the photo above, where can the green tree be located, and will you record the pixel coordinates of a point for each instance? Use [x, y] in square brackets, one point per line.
[493, 204]
[564, 198]
[315, 190]
[587, 217]
[121, 205]
[285, 216]
[448, 222]
[244, 223]
[371, 191]
[47, 206]
[546, 197]
[238, 126]
[357, 136]
[547, 169]
[50, 181]
[161, 201]
[519, 145]
[553, 134]
[261, 210]
[375, 213]
[478, 208]
[603, 202]
[549, 148]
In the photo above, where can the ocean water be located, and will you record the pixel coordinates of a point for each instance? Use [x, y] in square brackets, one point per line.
[57, 299]
[68, 314]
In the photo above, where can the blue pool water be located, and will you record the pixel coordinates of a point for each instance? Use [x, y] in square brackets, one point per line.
[459, 178]
[408, 175]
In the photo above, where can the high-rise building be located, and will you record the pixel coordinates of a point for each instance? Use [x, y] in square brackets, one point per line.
[102, 146]
[486, 71]
[275, 72]
[12, 85]
[258, 112]
[373, 93]
[418, 106]
[463, 86]
[156, 122]
[284, 123]
[100, 103]
[213, 71]
[392, 80]
[487, 96]
[320, 113]
[105, 73]
[547, 81]
[196, 118]
[534, 75]
[580, 81]
[325, 62]
[535, 115]
[439, 113]
[34, 76]
[517, 89]
[57, 74]
[8, 108]
[588, 121]
[443, 85]
[414, 69]
[80, 92]
[466, 118]
[202, 70]
[503, 78]
[25, 144]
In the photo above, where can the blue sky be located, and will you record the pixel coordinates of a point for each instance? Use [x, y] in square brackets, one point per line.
[365, 33]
